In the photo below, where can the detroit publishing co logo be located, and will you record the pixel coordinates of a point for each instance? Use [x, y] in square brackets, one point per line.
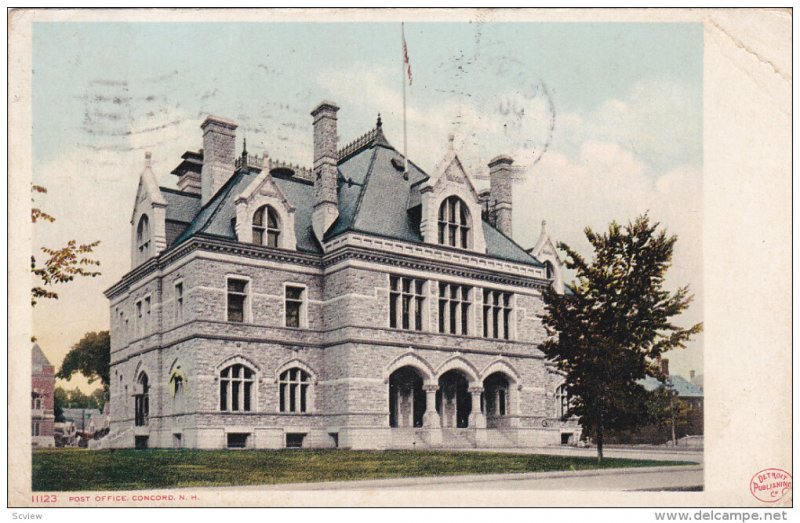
[770, 485]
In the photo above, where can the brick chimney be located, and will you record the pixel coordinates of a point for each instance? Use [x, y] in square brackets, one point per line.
[500, 185]
[326, 200]
[691, 374]
[219, 142]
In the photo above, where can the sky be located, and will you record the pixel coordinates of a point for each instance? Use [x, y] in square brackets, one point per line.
[604, 121]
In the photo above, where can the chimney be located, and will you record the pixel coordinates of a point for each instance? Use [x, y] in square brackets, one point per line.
[691, 374]
[219, 141]
[500, 186]
[665, 367]
[326, 200]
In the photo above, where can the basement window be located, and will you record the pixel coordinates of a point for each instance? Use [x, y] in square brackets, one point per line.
[294, 440]
[237, 440]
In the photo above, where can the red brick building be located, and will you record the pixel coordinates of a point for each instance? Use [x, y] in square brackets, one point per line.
[43, 381]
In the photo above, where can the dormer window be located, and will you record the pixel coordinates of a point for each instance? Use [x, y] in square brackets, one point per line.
[266, 229]
[143, 237]
[454, 222]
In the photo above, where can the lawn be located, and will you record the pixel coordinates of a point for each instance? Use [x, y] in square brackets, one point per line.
[79, 469]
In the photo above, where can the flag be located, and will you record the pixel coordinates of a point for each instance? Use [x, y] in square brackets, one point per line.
[405, 58]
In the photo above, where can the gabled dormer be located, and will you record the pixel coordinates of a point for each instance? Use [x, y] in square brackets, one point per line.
[264, 215]
[545, 251]
[450, 206]
[148, 222]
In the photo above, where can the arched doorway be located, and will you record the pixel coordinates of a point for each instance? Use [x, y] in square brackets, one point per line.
[497, 404]
[453, 400]
[406, 398]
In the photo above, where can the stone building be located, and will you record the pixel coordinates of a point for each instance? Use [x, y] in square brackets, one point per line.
[359, 303]
[43, 381]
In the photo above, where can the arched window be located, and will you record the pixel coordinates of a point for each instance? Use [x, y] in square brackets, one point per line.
[562, 401]
[142, 400]
[236, 388]
[266, 229]
[177, 382]
[143, 237]
[548, 267]
[454, 227]
[294, 394]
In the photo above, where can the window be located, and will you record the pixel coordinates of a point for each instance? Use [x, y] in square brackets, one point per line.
[237, 440]
[177, 440]
[236, 388]
[142, 401]
[562, 401]
[293, 390]
[237, 299]
[179, 301]
[143, 237]
[36, 404]
[454, 223]
[35, 428]
[294, 306]
[406, 303]
[454, 304]
[266, 232]
[294, 440]
[147, 323]
[496, 314]
[139, 317]
[548, 268]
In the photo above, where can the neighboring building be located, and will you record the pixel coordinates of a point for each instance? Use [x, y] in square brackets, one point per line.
[43, 381]
[66, 434]
[696, 379]
[355, 304]
[81, 418]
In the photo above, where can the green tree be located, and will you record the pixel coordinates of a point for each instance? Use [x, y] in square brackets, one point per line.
[611, 330]
[59, 403]
[99, 398]
[61, 265]
[91, 357]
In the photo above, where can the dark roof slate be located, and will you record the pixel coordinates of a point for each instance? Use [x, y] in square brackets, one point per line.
[373, 198]
[181, 206]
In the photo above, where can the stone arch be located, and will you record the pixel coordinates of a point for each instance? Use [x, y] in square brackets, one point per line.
[461, 364]
[503, 366]
[232, 360]
[298, 363]
[411, 359]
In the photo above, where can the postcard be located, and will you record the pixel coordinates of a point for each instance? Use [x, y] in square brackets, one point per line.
[411, 257]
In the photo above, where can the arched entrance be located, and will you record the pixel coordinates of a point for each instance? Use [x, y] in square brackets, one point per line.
[497, 404]
[142, 401]
[453, 400]
[406, 398]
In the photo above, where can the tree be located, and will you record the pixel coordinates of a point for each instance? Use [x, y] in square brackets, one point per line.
[611, 330]
[91, 356]
[62, 265]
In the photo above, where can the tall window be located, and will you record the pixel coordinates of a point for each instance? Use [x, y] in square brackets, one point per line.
[454, 223]
[496, 314]
[179, 301]
[236, 388]
[143, 237]
[454, 306]
[237, 299]
[142, 401]
[295, 298]
[265, 227]
[562, 401]
[36, 403]
[549, 271]
[406, 303]
[139, 323]
[147, 324]
[293, 391]
[35, 428]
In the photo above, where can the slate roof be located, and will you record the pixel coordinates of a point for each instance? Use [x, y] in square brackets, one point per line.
[685, 388]
[373, 198]
[181, 206]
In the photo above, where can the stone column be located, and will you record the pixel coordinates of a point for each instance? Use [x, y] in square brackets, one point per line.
[476, 418]
[430, 420]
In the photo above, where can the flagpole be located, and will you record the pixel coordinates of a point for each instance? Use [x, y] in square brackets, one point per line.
[405, 132]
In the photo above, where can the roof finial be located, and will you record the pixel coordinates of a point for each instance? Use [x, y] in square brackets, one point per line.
[451, 138]
[379, 124]
[544, 226]
[147, 157]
